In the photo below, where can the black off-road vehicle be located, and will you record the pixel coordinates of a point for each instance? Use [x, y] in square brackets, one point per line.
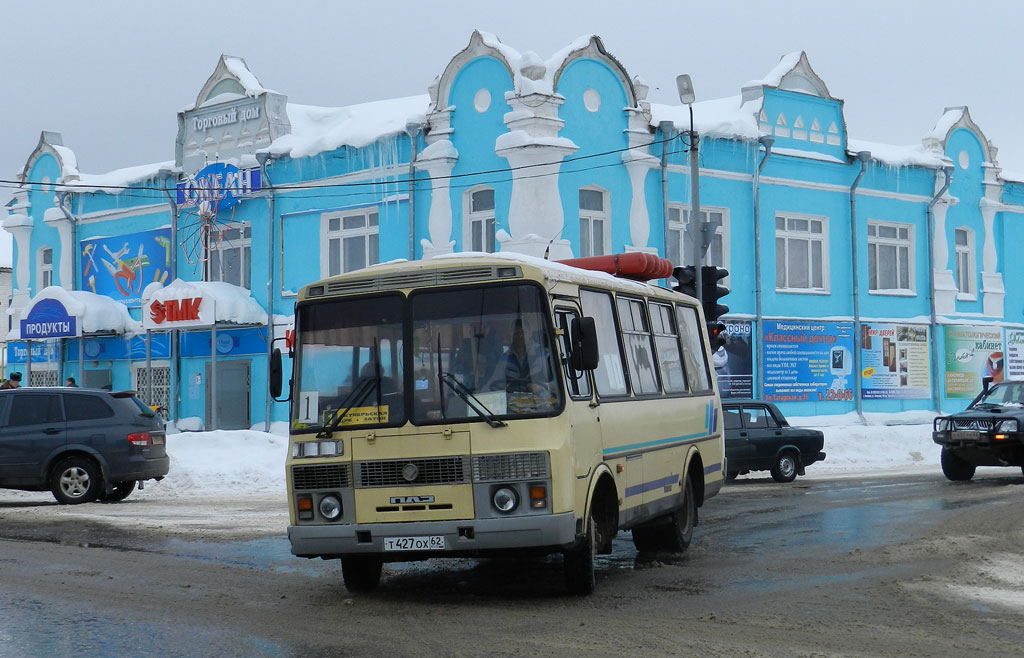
[990, 432]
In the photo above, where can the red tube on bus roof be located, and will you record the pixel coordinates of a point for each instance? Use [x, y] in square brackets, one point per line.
[637, 266]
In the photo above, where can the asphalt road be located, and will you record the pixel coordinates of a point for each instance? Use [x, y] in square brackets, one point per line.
[875, 566]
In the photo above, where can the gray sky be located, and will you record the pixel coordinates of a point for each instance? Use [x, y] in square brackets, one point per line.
[110, 76]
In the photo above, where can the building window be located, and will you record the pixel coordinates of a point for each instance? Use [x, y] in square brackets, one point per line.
[889, 256]
[231, 256]
[479, 231]
[45, 275]
[595, 227]
[352, 241]
[965, 261]
[801, 250]
[680, 236]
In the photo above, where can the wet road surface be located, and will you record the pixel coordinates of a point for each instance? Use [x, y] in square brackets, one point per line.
[873, 566]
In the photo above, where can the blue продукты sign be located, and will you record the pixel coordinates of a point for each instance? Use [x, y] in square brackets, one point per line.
[48, 319]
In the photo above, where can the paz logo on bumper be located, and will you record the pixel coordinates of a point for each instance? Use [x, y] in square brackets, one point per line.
[411, 500]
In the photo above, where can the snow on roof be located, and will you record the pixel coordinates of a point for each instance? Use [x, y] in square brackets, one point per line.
[899, 156]
[238, 68]
[120, 178]
[945, 122]
[727, 118]
[69, 162]
[774, 77]
[97, 313]
[233, 303]
[318, 129]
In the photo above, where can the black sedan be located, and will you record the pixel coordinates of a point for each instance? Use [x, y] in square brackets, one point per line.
[758, 438]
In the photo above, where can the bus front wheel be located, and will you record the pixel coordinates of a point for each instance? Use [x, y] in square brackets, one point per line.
[361, 572]
[580, 572]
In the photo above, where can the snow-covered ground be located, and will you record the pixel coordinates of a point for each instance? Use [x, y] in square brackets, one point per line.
[210, 462]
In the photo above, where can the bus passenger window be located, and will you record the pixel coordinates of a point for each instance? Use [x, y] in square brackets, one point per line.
[609, 377]
[577, 380]
[695, 362]
[636, 336]
[666, 341]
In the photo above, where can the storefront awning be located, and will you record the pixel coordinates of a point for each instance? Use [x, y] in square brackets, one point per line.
[58, 313]
[184, 304]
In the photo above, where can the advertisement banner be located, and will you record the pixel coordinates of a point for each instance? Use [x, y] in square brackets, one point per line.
[807, 361]
[895, 363]
[1014, 354]
[121, 267]
[734, 362]
[972, 352]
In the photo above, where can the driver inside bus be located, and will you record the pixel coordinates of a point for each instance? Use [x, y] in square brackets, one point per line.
[525, 368]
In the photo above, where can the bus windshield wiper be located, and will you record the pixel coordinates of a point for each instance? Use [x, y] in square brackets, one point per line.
[353, 399]
[473, 401]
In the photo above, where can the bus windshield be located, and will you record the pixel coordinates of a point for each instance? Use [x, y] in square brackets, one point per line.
[482, 352]
[476, 353]
[350, 365]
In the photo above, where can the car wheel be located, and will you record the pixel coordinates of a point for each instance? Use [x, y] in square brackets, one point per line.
[785, 467]
[76, 480]
[580, 569]
[120, 491]
[361, 572]
[955, 468]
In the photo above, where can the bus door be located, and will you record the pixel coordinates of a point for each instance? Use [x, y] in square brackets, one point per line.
[583, 416]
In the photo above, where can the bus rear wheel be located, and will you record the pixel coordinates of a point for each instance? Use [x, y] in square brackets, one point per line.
[361, 572]
[673, 535]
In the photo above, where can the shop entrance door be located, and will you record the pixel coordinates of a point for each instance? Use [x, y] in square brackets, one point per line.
[232, 396]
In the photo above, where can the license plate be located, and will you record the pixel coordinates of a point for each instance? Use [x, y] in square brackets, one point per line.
[966, 435]
[431, 543]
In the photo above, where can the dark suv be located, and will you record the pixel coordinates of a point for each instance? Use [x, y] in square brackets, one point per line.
[81, 444]
[990, 432]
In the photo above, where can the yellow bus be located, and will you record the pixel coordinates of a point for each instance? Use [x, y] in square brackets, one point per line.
[482, 404]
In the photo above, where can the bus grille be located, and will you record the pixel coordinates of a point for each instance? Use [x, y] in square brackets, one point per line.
[438, 470]
[980, 424]
[321, 476]
[516, 466]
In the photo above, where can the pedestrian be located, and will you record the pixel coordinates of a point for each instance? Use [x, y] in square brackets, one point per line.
[13, 382]
[71, 382]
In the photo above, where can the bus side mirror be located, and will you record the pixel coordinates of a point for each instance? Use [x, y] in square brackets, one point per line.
[275, 373]
[584, 344]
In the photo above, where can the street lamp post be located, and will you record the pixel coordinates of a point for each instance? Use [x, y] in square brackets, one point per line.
[699, 229]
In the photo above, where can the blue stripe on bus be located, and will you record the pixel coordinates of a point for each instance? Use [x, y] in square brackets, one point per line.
[650, 444]
[638, 489]
[707, 423]
[711, 469]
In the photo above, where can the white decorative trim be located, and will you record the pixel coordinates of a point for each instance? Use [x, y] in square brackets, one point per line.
[125, 213]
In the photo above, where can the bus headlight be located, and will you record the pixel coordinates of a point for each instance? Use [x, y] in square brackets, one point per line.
[330, 508]
[505, 499]
[317, 449]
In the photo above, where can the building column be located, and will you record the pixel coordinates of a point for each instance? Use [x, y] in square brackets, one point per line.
[944, 286]
[534, 152]
[992, 291]
[639, 161]
[56, 218]
[438, 159]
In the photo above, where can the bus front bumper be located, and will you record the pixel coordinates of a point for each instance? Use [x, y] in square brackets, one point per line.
[465, 537]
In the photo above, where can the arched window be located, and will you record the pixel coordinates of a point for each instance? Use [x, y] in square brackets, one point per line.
[45, 268]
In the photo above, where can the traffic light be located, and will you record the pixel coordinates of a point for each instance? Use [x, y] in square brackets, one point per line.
[711, 292]
[717, 335]
[687, 278]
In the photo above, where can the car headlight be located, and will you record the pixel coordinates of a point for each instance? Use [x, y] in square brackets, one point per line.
[943, 425]
[330, 508]
[1006, 426]
[505, 499]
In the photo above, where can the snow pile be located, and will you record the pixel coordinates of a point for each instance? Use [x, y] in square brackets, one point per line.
[252, 461]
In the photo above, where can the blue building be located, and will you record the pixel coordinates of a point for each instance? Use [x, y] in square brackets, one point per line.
[864, 277]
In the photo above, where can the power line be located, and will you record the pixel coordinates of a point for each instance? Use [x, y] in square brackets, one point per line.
[392, 181]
